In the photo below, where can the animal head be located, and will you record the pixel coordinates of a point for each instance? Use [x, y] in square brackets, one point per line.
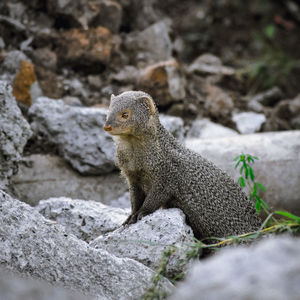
[131, 113]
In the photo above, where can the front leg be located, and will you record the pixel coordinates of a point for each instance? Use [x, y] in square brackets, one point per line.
[156, 198]
[137, 197]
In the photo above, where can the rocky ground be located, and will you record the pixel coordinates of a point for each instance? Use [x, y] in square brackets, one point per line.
[225, 82]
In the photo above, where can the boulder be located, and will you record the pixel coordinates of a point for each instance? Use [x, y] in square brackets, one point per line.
[35, 246]
[85, 219]
[76, 132]
[175, 125]
[45, 176]
[204, 128]
[208, 64]
[248, 122]
[278, 167]
[150, 45]
[218, 103]
[268, 270]
[14, 286]
[88, 50]
[14, 133]
[163, 81]
[146, 240]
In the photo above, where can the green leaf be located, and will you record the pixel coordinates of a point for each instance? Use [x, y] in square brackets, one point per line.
[236, 158]
[265, 204]
[254, 157]
[270, 31]
[241, 170]
[250, 159]
[263, 188]
[288, 215]
[254, 188]
[241, 181]
[258, 207]
[251, 173]
[237, 164]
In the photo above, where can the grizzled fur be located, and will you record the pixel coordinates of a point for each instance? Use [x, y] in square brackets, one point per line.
[163, 173]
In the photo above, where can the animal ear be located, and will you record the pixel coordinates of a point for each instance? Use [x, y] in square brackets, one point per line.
[150, 104]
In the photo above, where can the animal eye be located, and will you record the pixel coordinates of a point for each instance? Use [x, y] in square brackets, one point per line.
[125, 115]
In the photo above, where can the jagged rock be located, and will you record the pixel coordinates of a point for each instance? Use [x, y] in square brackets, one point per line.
[204, 128]
[14, 133]
[218, 103]
[278, 167]
[14, 286]
[163, 81]
[46, 58]
[283, 116]
[85, 219]
[268, 98]
[122, 202]
[35, 246]
[248, 122]
[257, 272]
[24, 83]
[208, 64]
[45, 176]
[77, 133]
[109, 15]
[150, 45]
[146, 240]
[85, 49]
[174, 125]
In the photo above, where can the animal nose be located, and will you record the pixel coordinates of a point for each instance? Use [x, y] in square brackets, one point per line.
[107, 128]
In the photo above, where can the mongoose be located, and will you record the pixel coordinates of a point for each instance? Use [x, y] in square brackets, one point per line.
[163, 173]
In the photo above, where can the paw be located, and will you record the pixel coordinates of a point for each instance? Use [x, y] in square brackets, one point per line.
[131, 219]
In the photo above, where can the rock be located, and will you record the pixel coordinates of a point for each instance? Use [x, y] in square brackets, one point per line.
[23, 84]
[183, 110]
[12, 61]
[218, 103]
[85, 219]
[88, 50]
[278, 154]
[71, 13]
[95, 82]
[128, 75]
[46, 58]
[164, 81]
[37, 247]
[269, 97]
[77, 133]
[150, 45]
[283, 116]
[14, 133]
[75, 87]
[51, 85]
[72, 101]
[248, 122]
[208, 64]
[244, 273]
[174, 125]
[109, 15]
[2, 44]
[146, 240]
[204, 128]
[122, 202]
[13, 286]
[45, 176]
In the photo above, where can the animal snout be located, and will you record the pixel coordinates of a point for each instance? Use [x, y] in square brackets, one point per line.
[107, 128]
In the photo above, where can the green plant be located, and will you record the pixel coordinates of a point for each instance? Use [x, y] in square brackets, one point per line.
[272, 66]
[247, 178]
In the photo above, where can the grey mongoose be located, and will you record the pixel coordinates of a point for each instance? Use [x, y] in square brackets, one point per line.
[163, 173]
